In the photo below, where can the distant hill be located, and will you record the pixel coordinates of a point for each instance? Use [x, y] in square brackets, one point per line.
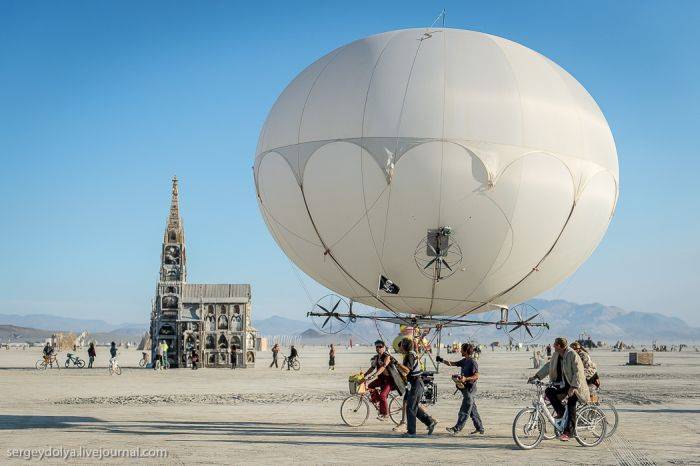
[603, 323]
[67, 324]
[277, 325]
[13, 333]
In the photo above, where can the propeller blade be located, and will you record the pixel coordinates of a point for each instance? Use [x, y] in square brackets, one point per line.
[432, 261]
[527, 328]
[528, 320]
[520, 318]
[516, 328]
[337, 317]
[323, 308]
[446, 265]
[336, 306]
[326, 321]
[433, 249]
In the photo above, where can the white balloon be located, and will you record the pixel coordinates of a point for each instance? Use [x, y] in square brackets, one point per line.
[398, 133]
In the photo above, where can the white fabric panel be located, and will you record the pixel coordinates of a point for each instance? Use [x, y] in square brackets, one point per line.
[282, 124]
[540, 214]
[413, 208]
[332, 111]
[385, 96]
[424, 103]
[581, 236]
[482, 96]
[282, 199]
[550, 120]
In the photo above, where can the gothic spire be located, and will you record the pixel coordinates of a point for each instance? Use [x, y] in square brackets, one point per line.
[174, 222]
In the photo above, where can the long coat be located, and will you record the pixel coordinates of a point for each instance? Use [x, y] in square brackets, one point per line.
[572, 367]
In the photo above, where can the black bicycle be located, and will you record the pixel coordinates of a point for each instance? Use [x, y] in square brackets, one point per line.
[294, 364]
[74, 360]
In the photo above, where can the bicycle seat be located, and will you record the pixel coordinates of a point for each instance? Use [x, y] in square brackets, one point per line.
[70, 355]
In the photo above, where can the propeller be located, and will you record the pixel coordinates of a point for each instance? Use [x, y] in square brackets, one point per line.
[330, 313]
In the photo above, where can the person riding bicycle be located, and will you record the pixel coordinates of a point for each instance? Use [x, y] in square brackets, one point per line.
[566, 373]
[415, 390]
[383, 382]
[466, 383]
[293, 354]
[158, 363]
[48, 352]
[589, 368]
[112, 353]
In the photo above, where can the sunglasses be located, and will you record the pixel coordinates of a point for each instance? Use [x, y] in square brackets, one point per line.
[377, 347]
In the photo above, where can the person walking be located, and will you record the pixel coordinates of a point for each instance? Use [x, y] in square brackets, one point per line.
[466, 383]
[166, 359]
[91, 354]
[234, 355]
[275, 353]
[331, 358]
[549, 351]
[158, 363]
[415, 391]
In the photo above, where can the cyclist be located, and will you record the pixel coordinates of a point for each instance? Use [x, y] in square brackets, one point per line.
[112, 353]
[589, 367]
[466, 383]
[293, 354]
[158, 363]
[48, 352]
[383, 383]
[566, 372]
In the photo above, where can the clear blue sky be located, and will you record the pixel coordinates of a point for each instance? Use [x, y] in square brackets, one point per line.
[102, 102]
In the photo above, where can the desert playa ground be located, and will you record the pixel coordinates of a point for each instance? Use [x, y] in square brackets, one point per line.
[269, 416]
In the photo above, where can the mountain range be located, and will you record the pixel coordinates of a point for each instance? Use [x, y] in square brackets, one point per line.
[601, 322]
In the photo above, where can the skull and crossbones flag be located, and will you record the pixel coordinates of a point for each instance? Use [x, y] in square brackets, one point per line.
[388, 286]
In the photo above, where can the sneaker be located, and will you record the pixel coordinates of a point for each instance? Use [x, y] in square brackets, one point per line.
[477, 431]
[452, 430]
[564, 437]
[431, 427]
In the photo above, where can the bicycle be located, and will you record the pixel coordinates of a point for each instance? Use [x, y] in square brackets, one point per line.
[354, 410]
[114, 367]
[589, 427]
[611, 417]
[75, 360]
[48, 361]
[296, 365]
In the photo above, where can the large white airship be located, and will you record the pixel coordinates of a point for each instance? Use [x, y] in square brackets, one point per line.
[436, 172]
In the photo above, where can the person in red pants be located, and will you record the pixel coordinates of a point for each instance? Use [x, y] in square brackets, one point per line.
[383, 383]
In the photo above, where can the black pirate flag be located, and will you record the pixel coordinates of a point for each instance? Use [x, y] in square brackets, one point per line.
[388, 286]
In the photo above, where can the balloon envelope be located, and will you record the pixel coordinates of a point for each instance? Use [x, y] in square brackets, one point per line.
[486, 142]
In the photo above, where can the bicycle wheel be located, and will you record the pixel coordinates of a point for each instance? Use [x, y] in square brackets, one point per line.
[549, 431]
[80, 363]
[54, 363]
[296, 365]
[396, 408]
[67, 364]
[590, 426]
[611, 417]
[40, 364]
[528, 428]
[354, 410]
[117, 370]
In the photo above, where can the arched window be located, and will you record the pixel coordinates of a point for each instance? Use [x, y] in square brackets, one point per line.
[236, 341]
[167, 330]
[223, 322]
[211, 342]
[169, 302]
[170, 289]
[172, 237]
[236, 309]
[222, 309]
[223, 342]
[210, 309]
[212, 323]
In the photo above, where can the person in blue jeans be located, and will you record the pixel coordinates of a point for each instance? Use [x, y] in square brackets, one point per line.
[466, 383]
